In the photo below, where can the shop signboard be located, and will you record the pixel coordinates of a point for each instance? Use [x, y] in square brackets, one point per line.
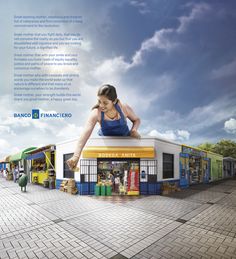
[193, 151]
[118, 152]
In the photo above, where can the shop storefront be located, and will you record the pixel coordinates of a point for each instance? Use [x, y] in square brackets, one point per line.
[122, 175]
[194, 166]
[216, 166]
[41, 164]
[125, 166]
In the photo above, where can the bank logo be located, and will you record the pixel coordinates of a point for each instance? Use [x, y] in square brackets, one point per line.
[35, 114]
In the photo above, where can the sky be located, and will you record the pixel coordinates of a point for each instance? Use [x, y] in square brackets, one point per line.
[173, 62]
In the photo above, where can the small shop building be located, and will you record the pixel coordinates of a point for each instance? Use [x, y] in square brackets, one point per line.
[229, 167]
[129, 166]
[216, 166]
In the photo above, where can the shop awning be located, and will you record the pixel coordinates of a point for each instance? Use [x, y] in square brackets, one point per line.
[119, 152]
[50, 147]
[5, 160]
[35, 156]
[21, 154]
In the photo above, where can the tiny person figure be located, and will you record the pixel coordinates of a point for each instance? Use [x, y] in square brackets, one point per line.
[15, 173]
[112, 115]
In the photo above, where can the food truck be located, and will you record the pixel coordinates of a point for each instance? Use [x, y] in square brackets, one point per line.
[127, 166]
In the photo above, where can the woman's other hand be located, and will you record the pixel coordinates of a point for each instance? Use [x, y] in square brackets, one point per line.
[72, 163]
[135, 134]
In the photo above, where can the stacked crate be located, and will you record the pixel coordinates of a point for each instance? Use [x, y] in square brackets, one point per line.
[69, 186]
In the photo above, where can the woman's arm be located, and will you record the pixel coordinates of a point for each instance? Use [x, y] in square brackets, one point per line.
[135, 120]
[89, 126]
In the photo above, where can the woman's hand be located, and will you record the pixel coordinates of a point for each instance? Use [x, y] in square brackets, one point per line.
[134, 134]
[72, 163]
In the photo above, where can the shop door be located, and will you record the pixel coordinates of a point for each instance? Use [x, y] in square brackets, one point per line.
[184, 170]
[148, 177]
[219, 168]
[205, 169]
[88, 175]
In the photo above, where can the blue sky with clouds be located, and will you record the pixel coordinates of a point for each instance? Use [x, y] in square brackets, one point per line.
[174, 62]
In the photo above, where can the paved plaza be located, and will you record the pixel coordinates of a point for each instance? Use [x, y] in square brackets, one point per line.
[199, 222]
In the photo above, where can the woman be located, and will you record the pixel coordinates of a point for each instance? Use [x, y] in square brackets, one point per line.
[111, 115]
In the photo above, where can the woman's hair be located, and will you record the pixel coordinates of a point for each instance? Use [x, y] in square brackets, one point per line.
[109, 91]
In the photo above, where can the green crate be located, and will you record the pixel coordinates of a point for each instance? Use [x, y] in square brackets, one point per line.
[103, 190]
[97, 190]
[108, 190]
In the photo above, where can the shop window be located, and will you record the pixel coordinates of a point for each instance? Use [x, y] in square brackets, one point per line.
[148, 170]
[168, 166]
[88, 169]
[67, 173]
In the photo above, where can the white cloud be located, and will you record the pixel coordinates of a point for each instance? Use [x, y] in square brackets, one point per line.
[183, 134]
[226, 70]
[70, 130]
[215, 112]
[142, 6]
[230, 126]
[197, 12]
[86, 45]
[158, 41]
[111, 69]
[174, 135]
[4, 144]
[6, 129]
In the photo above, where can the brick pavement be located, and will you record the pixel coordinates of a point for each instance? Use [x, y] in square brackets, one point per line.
[199, 222]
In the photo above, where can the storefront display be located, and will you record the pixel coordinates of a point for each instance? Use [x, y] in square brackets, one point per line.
[120, 176]
[42, 166]
[194, 166]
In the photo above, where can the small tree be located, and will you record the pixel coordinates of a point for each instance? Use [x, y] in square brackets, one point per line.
[226, 148]
[206, 146]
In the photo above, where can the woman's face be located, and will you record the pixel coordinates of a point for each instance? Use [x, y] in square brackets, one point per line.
[104, 103]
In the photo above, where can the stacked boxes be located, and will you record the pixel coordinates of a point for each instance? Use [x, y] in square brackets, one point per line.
[169, 187]
[69, 186]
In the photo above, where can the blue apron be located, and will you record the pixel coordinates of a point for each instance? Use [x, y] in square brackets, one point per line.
[116, 127]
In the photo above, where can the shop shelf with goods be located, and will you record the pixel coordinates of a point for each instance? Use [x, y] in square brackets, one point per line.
[42, 165]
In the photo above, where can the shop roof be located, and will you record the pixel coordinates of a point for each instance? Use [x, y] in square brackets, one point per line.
[108, 138]
[49, 147]
[210, 152]
[21, 154]
[229, 158]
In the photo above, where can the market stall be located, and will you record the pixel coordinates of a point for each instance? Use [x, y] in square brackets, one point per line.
[18, 161]
[41, 162]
